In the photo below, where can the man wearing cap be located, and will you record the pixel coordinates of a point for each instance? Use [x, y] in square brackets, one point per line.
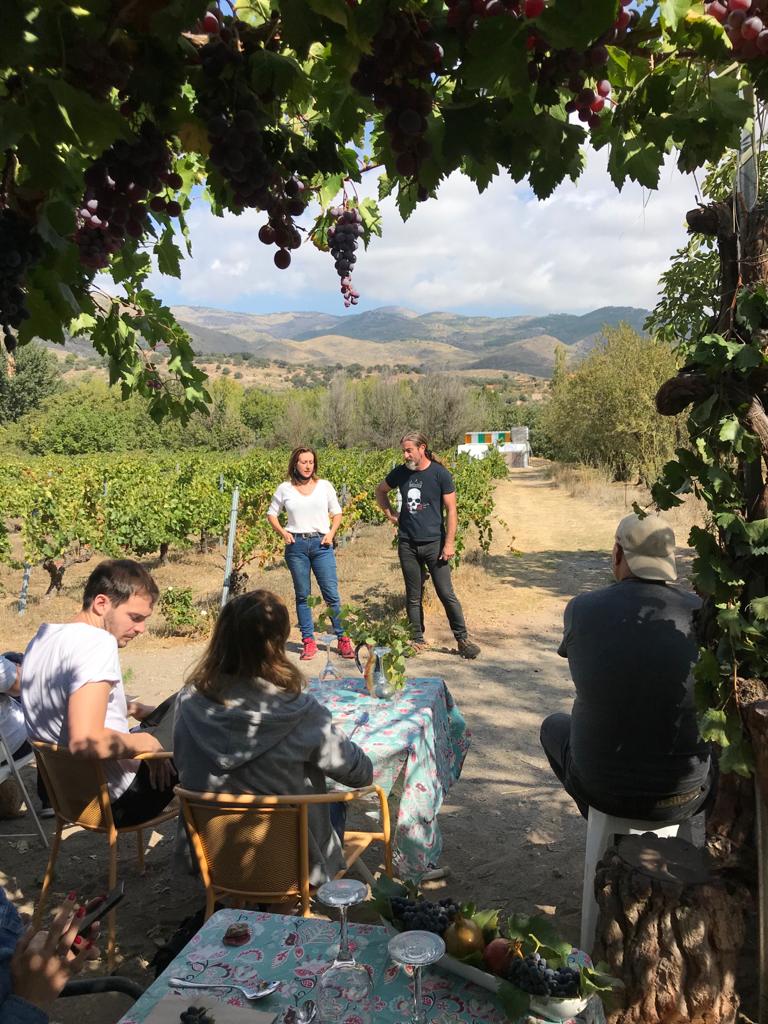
[631, 747]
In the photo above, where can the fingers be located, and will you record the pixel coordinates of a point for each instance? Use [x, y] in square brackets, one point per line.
[63, 929]
[83, 950]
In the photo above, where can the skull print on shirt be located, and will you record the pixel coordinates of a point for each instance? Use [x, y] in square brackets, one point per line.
[413, 498]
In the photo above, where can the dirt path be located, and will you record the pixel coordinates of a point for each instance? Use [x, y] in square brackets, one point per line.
[511, 836]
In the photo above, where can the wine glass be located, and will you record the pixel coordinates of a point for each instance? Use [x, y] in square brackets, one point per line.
[328, 672]
[419, 949]
[345, 988]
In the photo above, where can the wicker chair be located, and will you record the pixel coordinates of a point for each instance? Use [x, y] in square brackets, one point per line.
[255, 849]
[78, 792]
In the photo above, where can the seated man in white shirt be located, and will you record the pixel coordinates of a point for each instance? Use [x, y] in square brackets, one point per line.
[13, 729]
[72, 689]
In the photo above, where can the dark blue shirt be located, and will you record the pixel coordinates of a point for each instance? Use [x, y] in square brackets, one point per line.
[422, 490]
[631, 650]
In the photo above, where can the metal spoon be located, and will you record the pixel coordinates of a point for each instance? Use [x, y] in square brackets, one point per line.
[307, 1012]
[251, 994]
[301, 1014]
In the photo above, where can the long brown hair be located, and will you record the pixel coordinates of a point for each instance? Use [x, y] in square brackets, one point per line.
[248, 641]
[419, 440]
[294, 461]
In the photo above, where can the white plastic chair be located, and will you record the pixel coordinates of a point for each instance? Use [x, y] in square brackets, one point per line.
[601, 828]
[13, 768]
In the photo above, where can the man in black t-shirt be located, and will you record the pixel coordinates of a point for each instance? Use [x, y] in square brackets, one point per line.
[425, 542]
[631, 747]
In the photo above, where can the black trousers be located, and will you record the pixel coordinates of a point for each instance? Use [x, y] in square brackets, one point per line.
[555, 737]
[416, 559]
[140, 801]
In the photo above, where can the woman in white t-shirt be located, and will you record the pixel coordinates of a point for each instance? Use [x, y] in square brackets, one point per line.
[313, 517]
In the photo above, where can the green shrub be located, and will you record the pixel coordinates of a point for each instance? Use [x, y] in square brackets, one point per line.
[178, 609]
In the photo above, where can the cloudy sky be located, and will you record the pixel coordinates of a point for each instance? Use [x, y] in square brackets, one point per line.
[502, 252]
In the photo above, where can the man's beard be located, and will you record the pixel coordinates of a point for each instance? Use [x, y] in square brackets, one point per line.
[410, 464]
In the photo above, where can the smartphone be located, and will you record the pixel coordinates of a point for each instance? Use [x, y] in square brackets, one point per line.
[113, 898]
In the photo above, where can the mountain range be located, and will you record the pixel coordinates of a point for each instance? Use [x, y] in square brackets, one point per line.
[393, 335]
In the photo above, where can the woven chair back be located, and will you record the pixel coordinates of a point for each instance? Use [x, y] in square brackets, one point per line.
[76, 786]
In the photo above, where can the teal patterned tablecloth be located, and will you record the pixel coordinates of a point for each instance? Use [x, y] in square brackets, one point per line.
[295, 951]
[420, 733]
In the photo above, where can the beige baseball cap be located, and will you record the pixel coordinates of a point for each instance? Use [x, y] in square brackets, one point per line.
[649, 547]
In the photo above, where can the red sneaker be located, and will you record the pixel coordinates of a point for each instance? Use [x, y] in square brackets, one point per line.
[345, 648]
[310, 649]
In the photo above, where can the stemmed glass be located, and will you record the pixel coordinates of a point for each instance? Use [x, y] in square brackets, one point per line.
[328, 672]
[419, 949]
[345, 988]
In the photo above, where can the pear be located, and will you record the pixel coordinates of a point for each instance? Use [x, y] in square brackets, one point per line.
[463, 937]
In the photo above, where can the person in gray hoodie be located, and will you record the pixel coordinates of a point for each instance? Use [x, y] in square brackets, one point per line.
[245, 725]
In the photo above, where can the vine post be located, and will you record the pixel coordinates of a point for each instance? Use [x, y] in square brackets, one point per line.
[230, 545]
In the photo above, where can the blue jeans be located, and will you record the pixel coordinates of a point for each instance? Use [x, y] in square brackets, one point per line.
[305, 556]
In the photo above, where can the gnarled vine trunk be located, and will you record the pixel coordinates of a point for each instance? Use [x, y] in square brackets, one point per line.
[671, 929]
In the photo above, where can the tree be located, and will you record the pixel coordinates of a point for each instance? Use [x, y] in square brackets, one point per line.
[442, 408]
[340, 412]
[260, 410]
[127, 97]
[220, 427]
[35, 376]
[604, 413]
[88, 418]
[386, 406]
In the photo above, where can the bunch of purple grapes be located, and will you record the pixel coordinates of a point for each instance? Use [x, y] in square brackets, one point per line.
[20, 248]
[746, 25]
[572, 69]
[534, 975]
[118, 184]
[236, 123]
[343, 237]
[421, 914]
[282, 206]
[246, 152]
[397, 75]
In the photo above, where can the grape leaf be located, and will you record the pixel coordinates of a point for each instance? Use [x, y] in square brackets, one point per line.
[336, 10]
[671, 11]
[577, 23]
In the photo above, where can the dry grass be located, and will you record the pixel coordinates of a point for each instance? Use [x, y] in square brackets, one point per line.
[597, 485]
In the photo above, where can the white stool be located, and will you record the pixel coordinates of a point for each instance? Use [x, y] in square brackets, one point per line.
[601, 828]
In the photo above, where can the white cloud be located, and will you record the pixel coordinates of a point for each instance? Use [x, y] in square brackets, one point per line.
[503, 251]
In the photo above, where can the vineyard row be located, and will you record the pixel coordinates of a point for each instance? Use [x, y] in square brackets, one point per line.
[56, 511]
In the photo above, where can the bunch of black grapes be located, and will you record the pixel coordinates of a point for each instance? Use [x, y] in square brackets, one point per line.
[532, 974]
[343, 237]
[122, 186]
[247, 151]
[196, 1015]
[398, 76]
[283, 204]
[422, 915]
[20, 248]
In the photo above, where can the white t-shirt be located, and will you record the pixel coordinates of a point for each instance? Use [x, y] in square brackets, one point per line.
[11, 715]
[307, 513]
[59, 660]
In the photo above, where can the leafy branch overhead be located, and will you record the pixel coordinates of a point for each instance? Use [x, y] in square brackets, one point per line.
[114, 114]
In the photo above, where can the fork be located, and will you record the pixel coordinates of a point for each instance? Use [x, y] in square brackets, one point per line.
[251, 994]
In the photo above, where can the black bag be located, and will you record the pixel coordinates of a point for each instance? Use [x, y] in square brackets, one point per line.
[183, 935]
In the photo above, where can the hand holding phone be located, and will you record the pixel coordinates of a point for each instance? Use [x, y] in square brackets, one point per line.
[108, 903]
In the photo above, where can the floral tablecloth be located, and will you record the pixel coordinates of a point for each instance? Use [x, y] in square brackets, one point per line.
[420, 732]
[295, 951]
